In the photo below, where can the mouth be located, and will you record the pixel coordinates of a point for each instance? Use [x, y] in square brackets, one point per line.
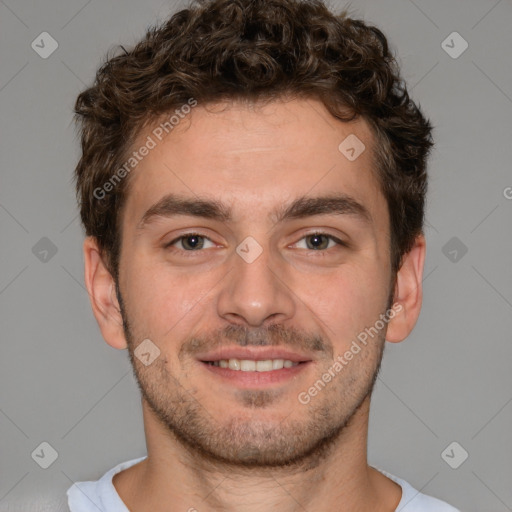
[255, 367]
[251, 365]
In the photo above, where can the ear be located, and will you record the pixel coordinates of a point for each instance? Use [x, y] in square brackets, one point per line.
[408, 293]
[101, 288]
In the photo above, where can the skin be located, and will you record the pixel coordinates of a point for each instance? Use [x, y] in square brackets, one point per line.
[212, 446]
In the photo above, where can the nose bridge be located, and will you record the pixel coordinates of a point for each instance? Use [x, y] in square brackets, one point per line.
[255, 290]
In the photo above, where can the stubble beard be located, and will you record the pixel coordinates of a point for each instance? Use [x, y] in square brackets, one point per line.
[243, 441]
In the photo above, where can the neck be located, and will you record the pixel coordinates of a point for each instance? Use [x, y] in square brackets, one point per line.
[335, 478]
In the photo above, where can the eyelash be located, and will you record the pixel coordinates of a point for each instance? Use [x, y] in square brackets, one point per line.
[189, 254]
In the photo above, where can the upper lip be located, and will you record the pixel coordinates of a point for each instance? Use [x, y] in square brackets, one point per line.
[254, 353]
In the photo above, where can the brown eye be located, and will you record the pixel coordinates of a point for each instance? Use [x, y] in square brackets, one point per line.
[320, 241]
[190, 242]
[317, 242]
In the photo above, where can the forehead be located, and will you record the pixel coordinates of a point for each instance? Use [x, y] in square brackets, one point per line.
[254, 157]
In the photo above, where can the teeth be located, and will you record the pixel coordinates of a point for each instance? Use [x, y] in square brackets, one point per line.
[246, 365]
[263, 366]
[277, 364]
[249, 365]
[234, 364]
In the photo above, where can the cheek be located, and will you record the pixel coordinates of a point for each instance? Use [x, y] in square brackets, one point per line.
[163, 300]
[346, 302]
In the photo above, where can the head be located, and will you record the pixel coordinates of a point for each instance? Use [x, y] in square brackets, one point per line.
[230, 123]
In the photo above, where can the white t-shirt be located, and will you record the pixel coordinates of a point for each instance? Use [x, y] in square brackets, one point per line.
[102, 495]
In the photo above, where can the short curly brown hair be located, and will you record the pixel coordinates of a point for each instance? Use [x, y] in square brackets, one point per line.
[252, 50]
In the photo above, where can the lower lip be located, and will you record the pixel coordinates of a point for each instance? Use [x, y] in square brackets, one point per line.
[257, 379]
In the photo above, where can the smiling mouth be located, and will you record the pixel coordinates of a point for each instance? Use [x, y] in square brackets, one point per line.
[251, 365]
[255, 373]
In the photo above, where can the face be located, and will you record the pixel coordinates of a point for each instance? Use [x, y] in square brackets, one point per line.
[248, 235]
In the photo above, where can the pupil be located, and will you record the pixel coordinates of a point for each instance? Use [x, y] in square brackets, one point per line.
[195, 241]
[316, 241]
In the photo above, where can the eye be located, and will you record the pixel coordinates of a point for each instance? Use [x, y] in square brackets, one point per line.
[194, 242]
[320, 241]
[190, 242]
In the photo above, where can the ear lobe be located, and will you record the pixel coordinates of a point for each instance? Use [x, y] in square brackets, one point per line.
[101, 288]
[408, 292]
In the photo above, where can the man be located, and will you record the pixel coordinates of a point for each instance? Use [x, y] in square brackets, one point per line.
[252, 185]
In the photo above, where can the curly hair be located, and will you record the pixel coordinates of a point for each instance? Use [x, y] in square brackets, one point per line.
[253, 50]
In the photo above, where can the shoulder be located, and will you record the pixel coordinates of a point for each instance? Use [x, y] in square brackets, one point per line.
[419, 502]
[415, 501]
[99, 494]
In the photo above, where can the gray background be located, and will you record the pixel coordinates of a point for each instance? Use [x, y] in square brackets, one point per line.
[450, 381]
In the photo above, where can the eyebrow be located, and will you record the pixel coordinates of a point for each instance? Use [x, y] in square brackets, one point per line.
[305, 206]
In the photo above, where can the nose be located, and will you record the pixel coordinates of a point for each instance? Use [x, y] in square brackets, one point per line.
[257, 292]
